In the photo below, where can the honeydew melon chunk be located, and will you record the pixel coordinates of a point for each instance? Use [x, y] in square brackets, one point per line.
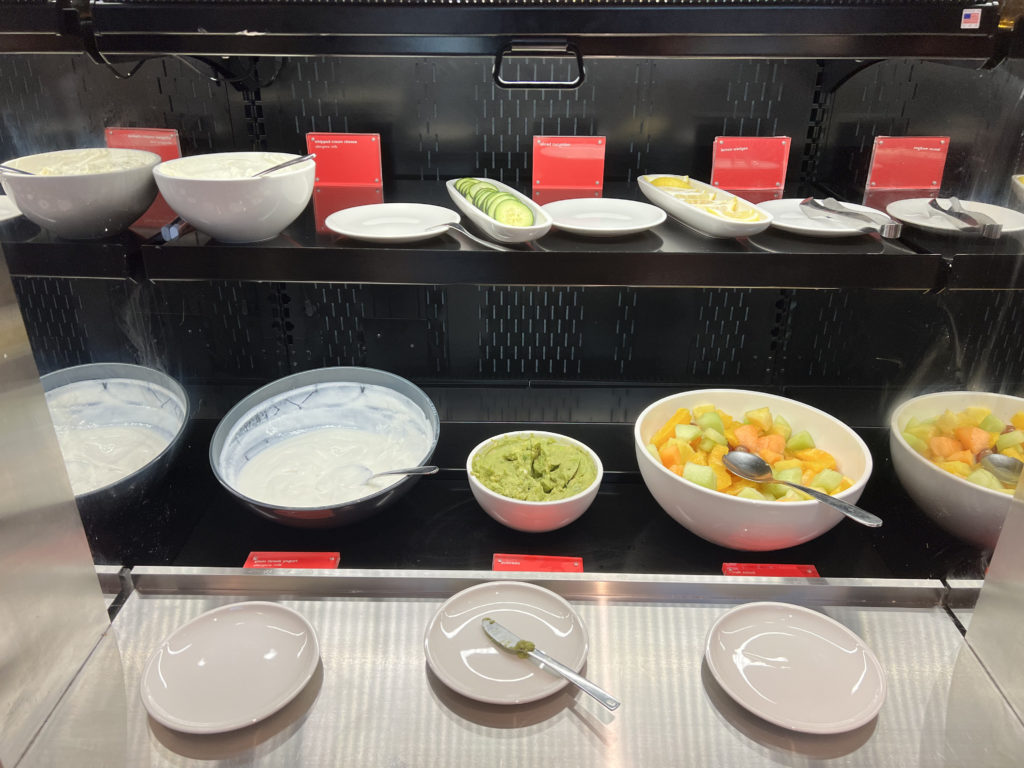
[916, 443]
[687, 433]
[789, 474]
[801, 441]
[792, 494]
[760, 417]
[984, 478]
[1009, 439]
[975, 414]
[711, 420]
[827, 480]
[781, 427]
[706, 444]
[700, 475]
[715, 436]
[751, 493]
[992, 424]
[653, 450]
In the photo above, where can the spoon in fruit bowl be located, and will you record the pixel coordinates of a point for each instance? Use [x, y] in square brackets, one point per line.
[1005, 468]
[752, 467]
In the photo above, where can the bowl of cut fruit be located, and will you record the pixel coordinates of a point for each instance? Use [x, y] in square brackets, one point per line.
[938, 442]
[680, 441]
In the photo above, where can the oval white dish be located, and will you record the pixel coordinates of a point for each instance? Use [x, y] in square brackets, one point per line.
[698, 218]
[495, 230]
[391, 222]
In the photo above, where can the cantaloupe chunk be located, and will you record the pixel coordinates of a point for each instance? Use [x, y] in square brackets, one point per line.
[973, 439]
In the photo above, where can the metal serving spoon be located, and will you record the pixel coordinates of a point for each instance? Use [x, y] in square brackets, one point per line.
[1005, 468]
[356, 474]
[12, 169]
[752, 467]
[285, 164]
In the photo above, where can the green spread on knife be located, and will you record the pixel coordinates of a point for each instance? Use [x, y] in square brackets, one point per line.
[534, 468]
[522, 649]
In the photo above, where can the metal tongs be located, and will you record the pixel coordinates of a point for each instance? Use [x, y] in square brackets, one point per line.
[972, 222]
[830, 208]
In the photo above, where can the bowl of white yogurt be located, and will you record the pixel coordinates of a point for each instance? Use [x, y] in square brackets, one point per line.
[296, 450]
[220, 195]
[118, 426]
[83, 194]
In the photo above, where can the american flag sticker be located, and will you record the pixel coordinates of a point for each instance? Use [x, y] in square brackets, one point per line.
[970, 19]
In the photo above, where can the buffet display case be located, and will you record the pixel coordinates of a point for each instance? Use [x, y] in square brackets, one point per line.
[567, 333]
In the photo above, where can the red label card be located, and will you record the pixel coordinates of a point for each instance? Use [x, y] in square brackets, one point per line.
[770, 569]
[549, 563]
[904, 167]
[346, 158]
[293, 560]
[160, 141]
[566, 167]
[745, 164]
[908, 162]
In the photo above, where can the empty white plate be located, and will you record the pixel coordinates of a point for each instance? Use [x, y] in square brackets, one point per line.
[229, 668]
[788, 216]
[795, 667]
[466, 660]
[604, 216]
[917, 212]
[391, 222]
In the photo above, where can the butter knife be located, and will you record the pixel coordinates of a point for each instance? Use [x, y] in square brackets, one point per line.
[509, 641]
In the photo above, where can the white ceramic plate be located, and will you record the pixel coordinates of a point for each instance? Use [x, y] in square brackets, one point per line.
[391, 222]
[918, 213]
[795, 667]
[466, 660]
[229, 668]
[699, 219]
[787, 215]
[8, 210]
[495, 230]
[604, 216]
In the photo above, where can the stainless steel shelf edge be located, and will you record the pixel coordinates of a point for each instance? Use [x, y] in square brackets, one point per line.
[604, 587]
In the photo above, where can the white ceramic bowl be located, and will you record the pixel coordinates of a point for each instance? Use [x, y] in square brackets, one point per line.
[217, 194]
[534, 516]
[696, 217]
[83, 194]
[748, 524]
[495, 230]
[966, 510]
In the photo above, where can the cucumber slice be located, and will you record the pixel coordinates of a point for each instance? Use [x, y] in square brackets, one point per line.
[480, 186]
[480, 198]
[493, 200]
[463, 184]
[513, 213]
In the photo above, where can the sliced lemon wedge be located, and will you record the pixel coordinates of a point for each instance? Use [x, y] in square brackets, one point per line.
[678, 182]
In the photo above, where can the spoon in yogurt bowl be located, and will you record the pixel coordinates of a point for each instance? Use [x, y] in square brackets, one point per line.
[12, 169]
[357, 474]
[285, 164]
[1005, 468]
[752, 467]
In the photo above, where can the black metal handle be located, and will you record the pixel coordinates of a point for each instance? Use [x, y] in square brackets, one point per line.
[539, 48]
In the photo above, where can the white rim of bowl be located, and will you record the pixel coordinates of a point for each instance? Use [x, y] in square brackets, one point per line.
[894, 429]
[155, 161]
[296, 169]
[858, 483]
[558, 436]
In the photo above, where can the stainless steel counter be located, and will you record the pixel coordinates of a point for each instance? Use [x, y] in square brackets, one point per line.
[373, 702]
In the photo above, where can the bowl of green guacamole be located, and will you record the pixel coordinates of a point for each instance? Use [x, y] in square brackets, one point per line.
[534, 481]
